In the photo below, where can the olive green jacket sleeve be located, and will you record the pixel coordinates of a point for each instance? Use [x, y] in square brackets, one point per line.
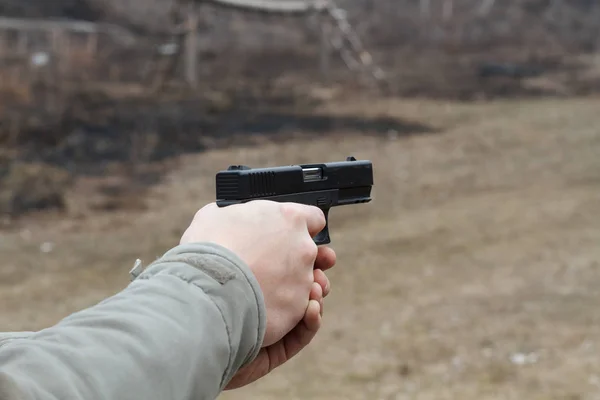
[179, 331]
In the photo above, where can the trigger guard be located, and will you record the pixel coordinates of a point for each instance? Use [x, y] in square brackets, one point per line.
[323, 236]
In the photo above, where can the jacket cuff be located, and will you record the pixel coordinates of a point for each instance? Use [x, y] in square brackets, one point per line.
[234, 289]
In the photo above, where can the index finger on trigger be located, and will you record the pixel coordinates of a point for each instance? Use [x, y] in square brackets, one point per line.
[315, 220]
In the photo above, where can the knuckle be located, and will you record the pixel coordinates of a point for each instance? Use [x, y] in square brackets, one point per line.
[316, 213]
[309, 251]
[320, 213]
[318, 274]
[318, 290]
[292, 212]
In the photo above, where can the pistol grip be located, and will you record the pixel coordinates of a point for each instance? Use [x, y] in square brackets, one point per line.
[323, 236]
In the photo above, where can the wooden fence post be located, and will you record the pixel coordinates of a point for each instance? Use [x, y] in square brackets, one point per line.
[448, 10]
[91, 45]
[4, 46]
[486, 7]
[425, 8]
[191, 48]
[22, 42]
[325, 49]
[59, 55]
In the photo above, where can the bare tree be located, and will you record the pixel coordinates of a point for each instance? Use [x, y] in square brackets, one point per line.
[447, 10]
[425, 8]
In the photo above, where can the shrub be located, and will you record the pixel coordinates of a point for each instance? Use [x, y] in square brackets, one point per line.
[32, 186]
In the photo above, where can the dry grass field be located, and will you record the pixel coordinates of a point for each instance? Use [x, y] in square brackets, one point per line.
[473, 274]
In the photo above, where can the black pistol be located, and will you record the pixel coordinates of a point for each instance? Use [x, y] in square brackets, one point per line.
[322, 185]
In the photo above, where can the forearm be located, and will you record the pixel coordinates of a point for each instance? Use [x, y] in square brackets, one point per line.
[179, 331]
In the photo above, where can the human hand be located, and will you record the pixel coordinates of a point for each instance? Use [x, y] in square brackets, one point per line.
[275, 241]
[279, 353]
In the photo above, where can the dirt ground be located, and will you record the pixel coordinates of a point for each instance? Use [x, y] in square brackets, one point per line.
[473, 274]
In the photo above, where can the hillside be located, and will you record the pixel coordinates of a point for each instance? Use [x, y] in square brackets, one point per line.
[92, 113]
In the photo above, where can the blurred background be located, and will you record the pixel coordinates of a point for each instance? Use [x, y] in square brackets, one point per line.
[473, 274]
